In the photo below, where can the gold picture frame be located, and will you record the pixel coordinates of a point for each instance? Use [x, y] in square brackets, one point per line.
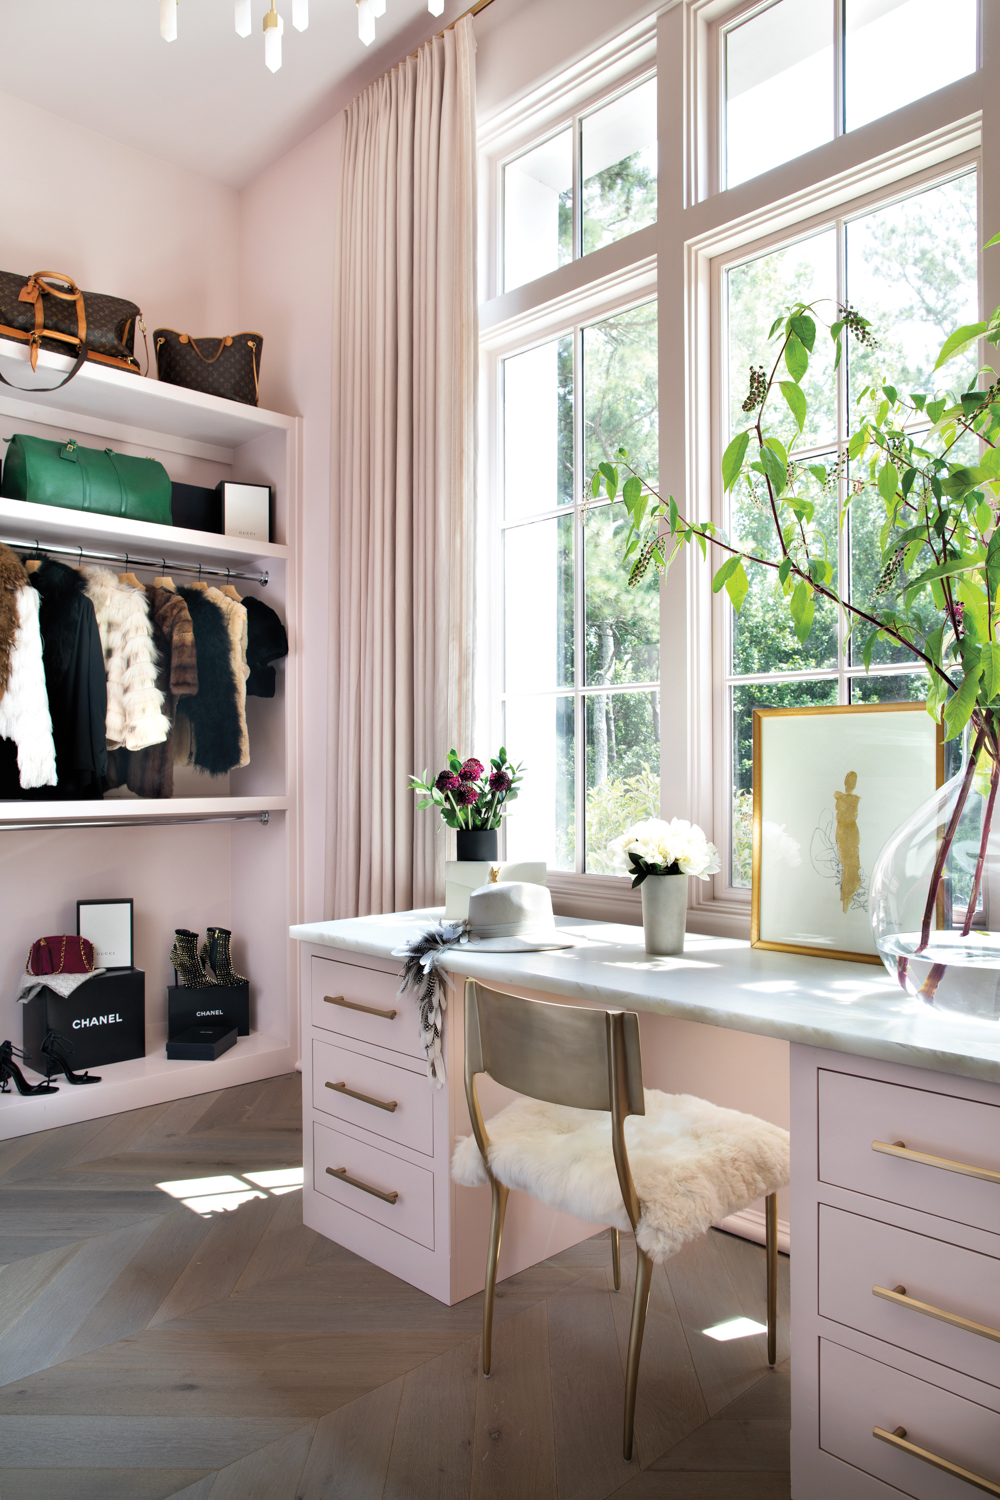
[771, 926]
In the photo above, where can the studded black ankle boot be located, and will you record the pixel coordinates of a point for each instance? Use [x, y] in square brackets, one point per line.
[184, 957]
[215, 952]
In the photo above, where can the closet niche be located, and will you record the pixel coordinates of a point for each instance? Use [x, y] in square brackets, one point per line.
[221, 851]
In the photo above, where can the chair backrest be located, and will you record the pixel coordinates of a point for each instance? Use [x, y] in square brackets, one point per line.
[563, 1054]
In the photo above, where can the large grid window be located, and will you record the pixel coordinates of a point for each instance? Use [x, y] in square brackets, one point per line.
[910, 266]
[581, 651]
[799, 72]
[589, 184]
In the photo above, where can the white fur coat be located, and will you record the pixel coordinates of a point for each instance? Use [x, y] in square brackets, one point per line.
[135, 704]
[24, 707]
[693, 1164]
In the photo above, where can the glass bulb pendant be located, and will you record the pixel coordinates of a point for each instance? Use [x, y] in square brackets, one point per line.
[244, 20]
[300, 14]
[168, 20]
[935, 897]
[436, 7]
[273, 28]
[366, 22]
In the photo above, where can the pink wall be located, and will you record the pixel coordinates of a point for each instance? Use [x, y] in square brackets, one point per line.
[287, 235]
[117, 221]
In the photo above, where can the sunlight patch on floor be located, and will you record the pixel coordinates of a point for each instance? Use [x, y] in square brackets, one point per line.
[214, 1195]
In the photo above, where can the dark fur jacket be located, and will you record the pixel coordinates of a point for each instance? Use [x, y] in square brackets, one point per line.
[214, 711]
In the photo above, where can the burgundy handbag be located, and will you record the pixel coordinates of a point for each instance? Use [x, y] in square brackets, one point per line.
[61, 955]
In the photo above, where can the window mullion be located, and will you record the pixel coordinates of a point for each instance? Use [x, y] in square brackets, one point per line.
[843, 531]
[579, 599]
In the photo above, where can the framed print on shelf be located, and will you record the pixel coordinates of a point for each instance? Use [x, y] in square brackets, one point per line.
[108, 925]
[830, 785]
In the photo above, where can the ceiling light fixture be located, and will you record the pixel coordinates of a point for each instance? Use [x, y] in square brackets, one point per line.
[168, 20]
[274, 27]
[244, 20]
[300, 14]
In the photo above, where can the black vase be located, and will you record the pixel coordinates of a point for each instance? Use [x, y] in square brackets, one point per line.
[477, 843]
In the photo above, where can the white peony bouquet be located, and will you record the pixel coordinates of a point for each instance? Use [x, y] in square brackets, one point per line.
[658, 848]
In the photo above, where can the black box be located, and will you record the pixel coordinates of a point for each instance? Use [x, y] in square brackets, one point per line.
[201, 1042]
[105, 1019]
[217, 1005]
[197, 508]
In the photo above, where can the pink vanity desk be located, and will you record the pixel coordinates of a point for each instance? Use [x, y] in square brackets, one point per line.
[866, 1065]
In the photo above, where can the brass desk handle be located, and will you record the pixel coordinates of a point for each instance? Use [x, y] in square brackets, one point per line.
[368, 1010]
[899, 1297]
[341, 1173]
[390, 1104]
[898, 1148]
[897, 1439]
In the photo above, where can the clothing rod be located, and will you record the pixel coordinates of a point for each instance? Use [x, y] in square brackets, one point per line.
[180, 820]
[130, 560]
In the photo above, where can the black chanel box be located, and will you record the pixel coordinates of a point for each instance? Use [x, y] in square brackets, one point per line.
[204, 1043]
[104, 1018]
[216, 1005]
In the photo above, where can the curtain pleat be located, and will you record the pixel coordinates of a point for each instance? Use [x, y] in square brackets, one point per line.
[404, 466]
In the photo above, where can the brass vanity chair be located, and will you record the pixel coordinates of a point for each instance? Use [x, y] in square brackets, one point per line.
[582, 1059]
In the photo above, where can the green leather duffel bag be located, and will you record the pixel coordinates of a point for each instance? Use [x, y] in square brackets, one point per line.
[94, 479]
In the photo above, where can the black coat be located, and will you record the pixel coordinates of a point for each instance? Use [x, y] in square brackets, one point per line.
[77, 689]
[214, 710]
[266, 642]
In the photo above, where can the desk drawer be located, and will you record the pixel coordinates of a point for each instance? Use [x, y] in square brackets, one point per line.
[375, 1172]
[856, 1254]
[410, 1121]
[854, 1112]
[858, 1394]
[362, 1003]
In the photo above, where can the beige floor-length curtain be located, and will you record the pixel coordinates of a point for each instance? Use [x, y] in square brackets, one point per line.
[403, 471]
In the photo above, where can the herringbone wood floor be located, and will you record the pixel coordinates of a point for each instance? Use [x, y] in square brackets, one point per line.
[146, 1351]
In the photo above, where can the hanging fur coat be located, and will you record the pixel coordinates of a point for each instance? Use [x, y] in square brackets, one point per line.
[74, 677]
[12, 580]
[24, 705]
[213, 712]
[266, 642]
[135, 716]
[150, 772]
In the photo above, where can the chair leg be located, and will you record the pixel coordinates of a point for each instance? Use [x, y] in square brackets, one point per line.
[616, 1258]
[643, 1277]
[771, 1239]
[500, 1196]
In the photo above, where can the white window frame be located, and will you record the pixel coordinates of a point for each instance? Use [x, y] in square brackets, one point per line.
[673, 259]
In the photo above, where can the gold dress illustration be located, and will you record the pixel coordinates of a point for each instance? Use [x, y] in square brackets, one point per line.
[848, 839]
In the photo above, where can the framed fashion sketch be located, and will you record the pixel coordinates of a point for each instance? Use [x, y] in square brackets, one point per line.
[108, 925]
[830, 785]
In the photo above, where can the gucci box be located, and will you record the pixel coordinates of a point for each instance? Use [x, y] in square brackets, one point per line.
[105, 1019]
[217, 1005]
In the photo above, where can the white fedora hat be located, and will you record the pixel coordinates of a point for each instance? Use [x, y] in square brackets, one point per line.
[511, 916]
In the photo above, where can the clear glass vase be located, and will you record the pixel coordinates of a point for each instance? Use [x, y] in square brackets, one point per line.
[943, 860]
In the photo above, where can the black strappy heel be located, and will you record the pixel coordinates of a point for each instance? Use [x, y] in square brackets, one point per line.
[53, 1048]
[9, 1069]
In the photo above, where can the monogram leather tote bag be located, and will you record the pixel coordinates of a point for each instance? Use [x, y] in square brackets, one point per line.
[227, 367]
[95, 479]
[48, 311]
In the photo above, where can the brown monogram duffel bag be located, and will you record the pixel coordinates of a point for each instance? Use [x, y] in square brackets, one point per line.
[48, 311]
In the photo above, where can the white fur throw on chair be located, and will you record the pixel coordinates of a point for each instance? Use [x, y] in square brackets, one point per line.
[693, 1164]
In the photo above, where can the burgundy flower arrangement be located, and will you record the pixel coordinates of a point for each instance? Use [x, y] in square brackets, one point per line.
[467, 796]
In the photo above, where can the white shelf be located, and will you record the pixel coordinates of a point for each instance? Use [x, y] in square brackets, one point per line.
[114, 809]
[106, 394]
[57, 525]
[145, 1080]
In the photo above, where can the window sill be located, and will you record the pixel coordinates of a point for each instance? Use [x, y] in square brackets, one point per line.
[610, 898]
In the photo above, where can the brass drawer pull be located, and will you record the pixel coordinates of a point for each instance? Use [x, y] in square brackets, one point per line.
[899, 1297]
[897, 1439]
[368, 1010]
[898, 1148]
[341, 1173]
[390, 1104]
